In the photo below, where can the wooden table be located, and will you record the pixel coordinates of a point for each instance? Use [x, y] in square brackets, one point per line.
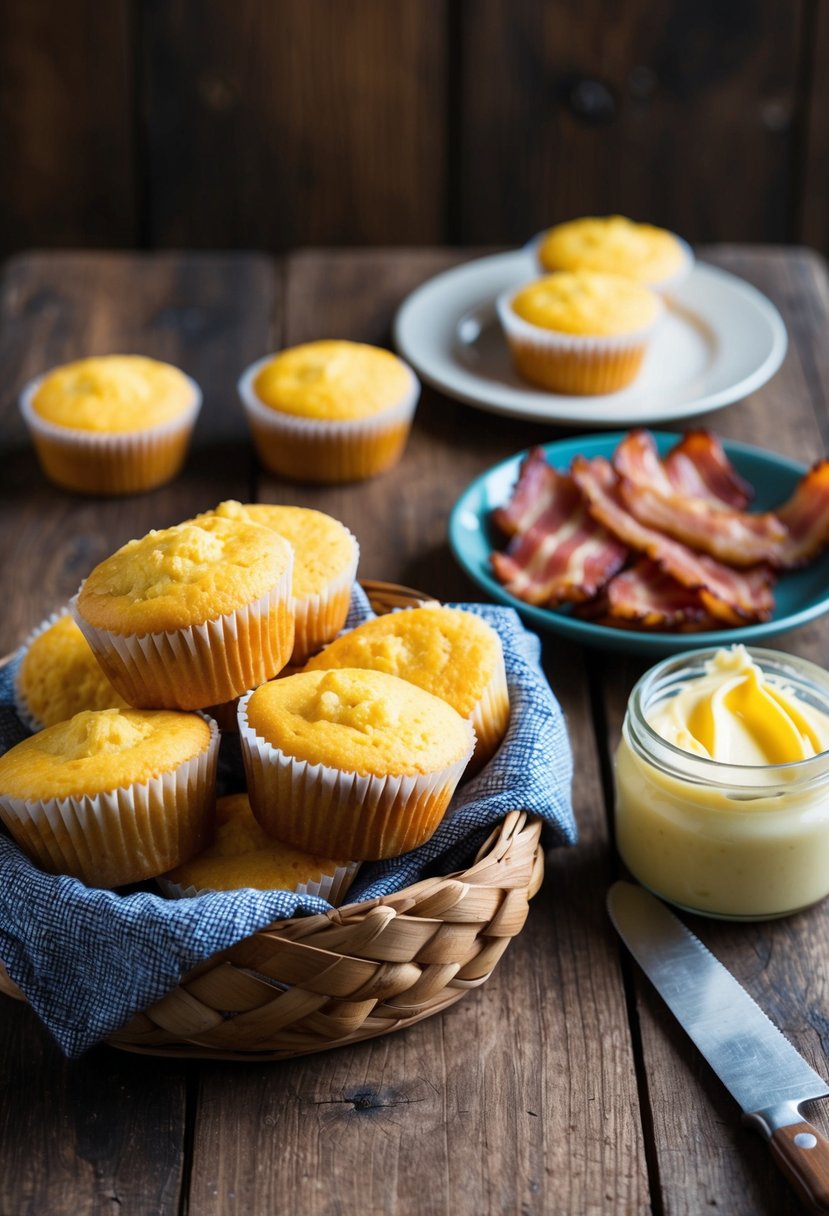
[562, 1085]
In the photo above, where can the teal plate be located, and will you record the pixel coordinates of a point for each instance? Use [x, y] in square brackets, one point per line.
[799, 597]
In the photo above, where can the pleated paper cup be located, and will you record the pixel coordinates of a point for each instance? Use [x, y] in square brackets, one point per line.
[574, 364]
[322, 809]
[490, 719]
[318, 618]
[204, 664]
[125, 834]
[110, 463]
[332, 887]
[321, 450]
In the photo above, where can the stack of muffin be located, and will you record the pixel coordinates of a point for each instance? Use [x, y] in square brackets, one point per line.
[352, 748]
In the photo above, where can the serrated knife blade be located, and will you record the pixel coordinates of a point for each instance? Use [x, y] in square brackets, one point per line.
[755, 1062]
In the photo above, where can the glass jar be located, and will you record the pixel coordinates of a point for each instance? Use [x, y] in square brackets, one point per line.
[735, 841]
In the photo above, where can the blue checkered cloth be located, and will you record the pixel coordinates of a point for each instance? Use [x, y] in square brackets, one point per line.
[87, 960]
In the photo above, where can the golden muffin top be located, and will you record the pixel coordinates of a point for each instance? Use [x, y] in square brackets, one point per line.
[99, 750]
[113, 393]
[333, 380]
[185, 575]
[582, 302]
[360, 721]
[242, 855]
[615, 245]
[324, 549]
[449, 652]
[59, 675]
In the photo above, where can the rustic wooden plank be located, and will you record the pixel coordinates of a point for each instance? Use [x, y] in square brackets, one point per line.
[66, 117]
[705, 1158]
[680, 114]
[522, 1097]
[81, 1138]
[813, 220]
[295, 123]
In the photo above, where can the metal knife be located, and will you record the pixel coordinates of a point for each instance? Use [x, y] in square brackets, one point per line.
[754, 1061]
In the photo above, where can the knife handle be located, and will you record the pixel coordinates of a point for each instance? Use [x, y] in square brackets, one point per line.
[802, 1153]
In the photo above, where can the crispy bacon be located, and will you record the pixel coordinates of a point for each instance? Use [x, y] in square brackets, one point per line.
[699, 467]
[564, 556]
[532, 495]
[732, 596]
[806, 516]
[645, 597]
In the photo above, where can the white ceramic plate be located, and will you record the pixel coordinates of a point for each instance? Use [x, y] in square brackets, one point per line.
[720, 340]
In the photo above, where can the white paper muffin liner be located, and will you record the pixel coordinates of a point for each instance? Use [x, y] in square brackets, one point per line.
[123, 462]
[201, 665]
[94, 837]
[664, 286]
[345, 448]
[490, 718]
[321, 809]
[332, 887]
[21, 704]
[318, 618]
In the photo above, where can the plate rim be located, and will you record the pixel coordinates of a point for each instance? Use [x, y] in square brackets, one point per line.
[575, 412]
[603, 636]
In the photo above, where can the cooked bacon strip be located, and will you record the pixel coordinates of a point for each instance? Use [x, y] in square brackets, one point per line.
[564, 556]
[806, 516]
[637, 459]
[533, 493]
[645, 597]
[699, 467]
[733, 596]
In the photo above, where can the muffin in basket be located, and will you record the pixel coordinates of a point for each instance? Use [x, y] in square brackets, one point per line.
[613, 244]
[325, 566]
[192, 615]
[59, 676]
[329, 411]
[112, 796]
[242, 855]
[449, 652]
[579, 332]
[113, 424]
[352, 762]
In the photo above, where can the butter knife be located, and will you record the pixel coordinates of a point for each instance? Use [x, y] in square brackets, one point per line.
[755, 1062]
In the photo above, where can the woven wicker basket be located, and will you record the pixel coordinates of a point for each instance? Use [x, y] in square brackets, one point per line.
[316, 982]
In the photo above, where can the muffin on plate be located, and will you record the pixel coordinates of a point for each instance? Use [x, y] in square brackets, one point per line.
[193, 615]
[329, 411]
[615, 245]
[112, 424]
[242, 855]
[325, 566]
[579, 333]
[352, 762]
[449, 652]
[59, 675]
[112, 796]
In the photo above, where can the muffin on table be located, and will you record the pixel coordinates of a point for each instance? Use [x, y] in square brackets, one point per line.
[352, 762]
[242, 855]
[59, 676]
[193, 615]
[579, 332]
[325, 566]
[449, 652]
[112, 796]
[615, 245]
[329, 411]
[111, 424]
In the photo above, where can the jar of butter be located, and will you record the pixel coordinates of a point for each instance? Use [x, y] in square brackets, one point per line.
[722, 783]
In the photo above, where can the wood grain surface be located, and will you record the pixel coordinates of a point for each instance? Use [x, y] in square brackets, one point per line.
[560, 1086]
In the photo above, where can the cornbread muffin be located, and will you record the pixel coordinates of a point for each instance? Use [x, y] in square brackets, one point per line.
[615, 245]
[113, 424]
[242, 855]
[579, 332]
[329, 411]
[112, 796]
[451, 653]
[325, 566]
[352, 762]
[192, 615]
[59, 676]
